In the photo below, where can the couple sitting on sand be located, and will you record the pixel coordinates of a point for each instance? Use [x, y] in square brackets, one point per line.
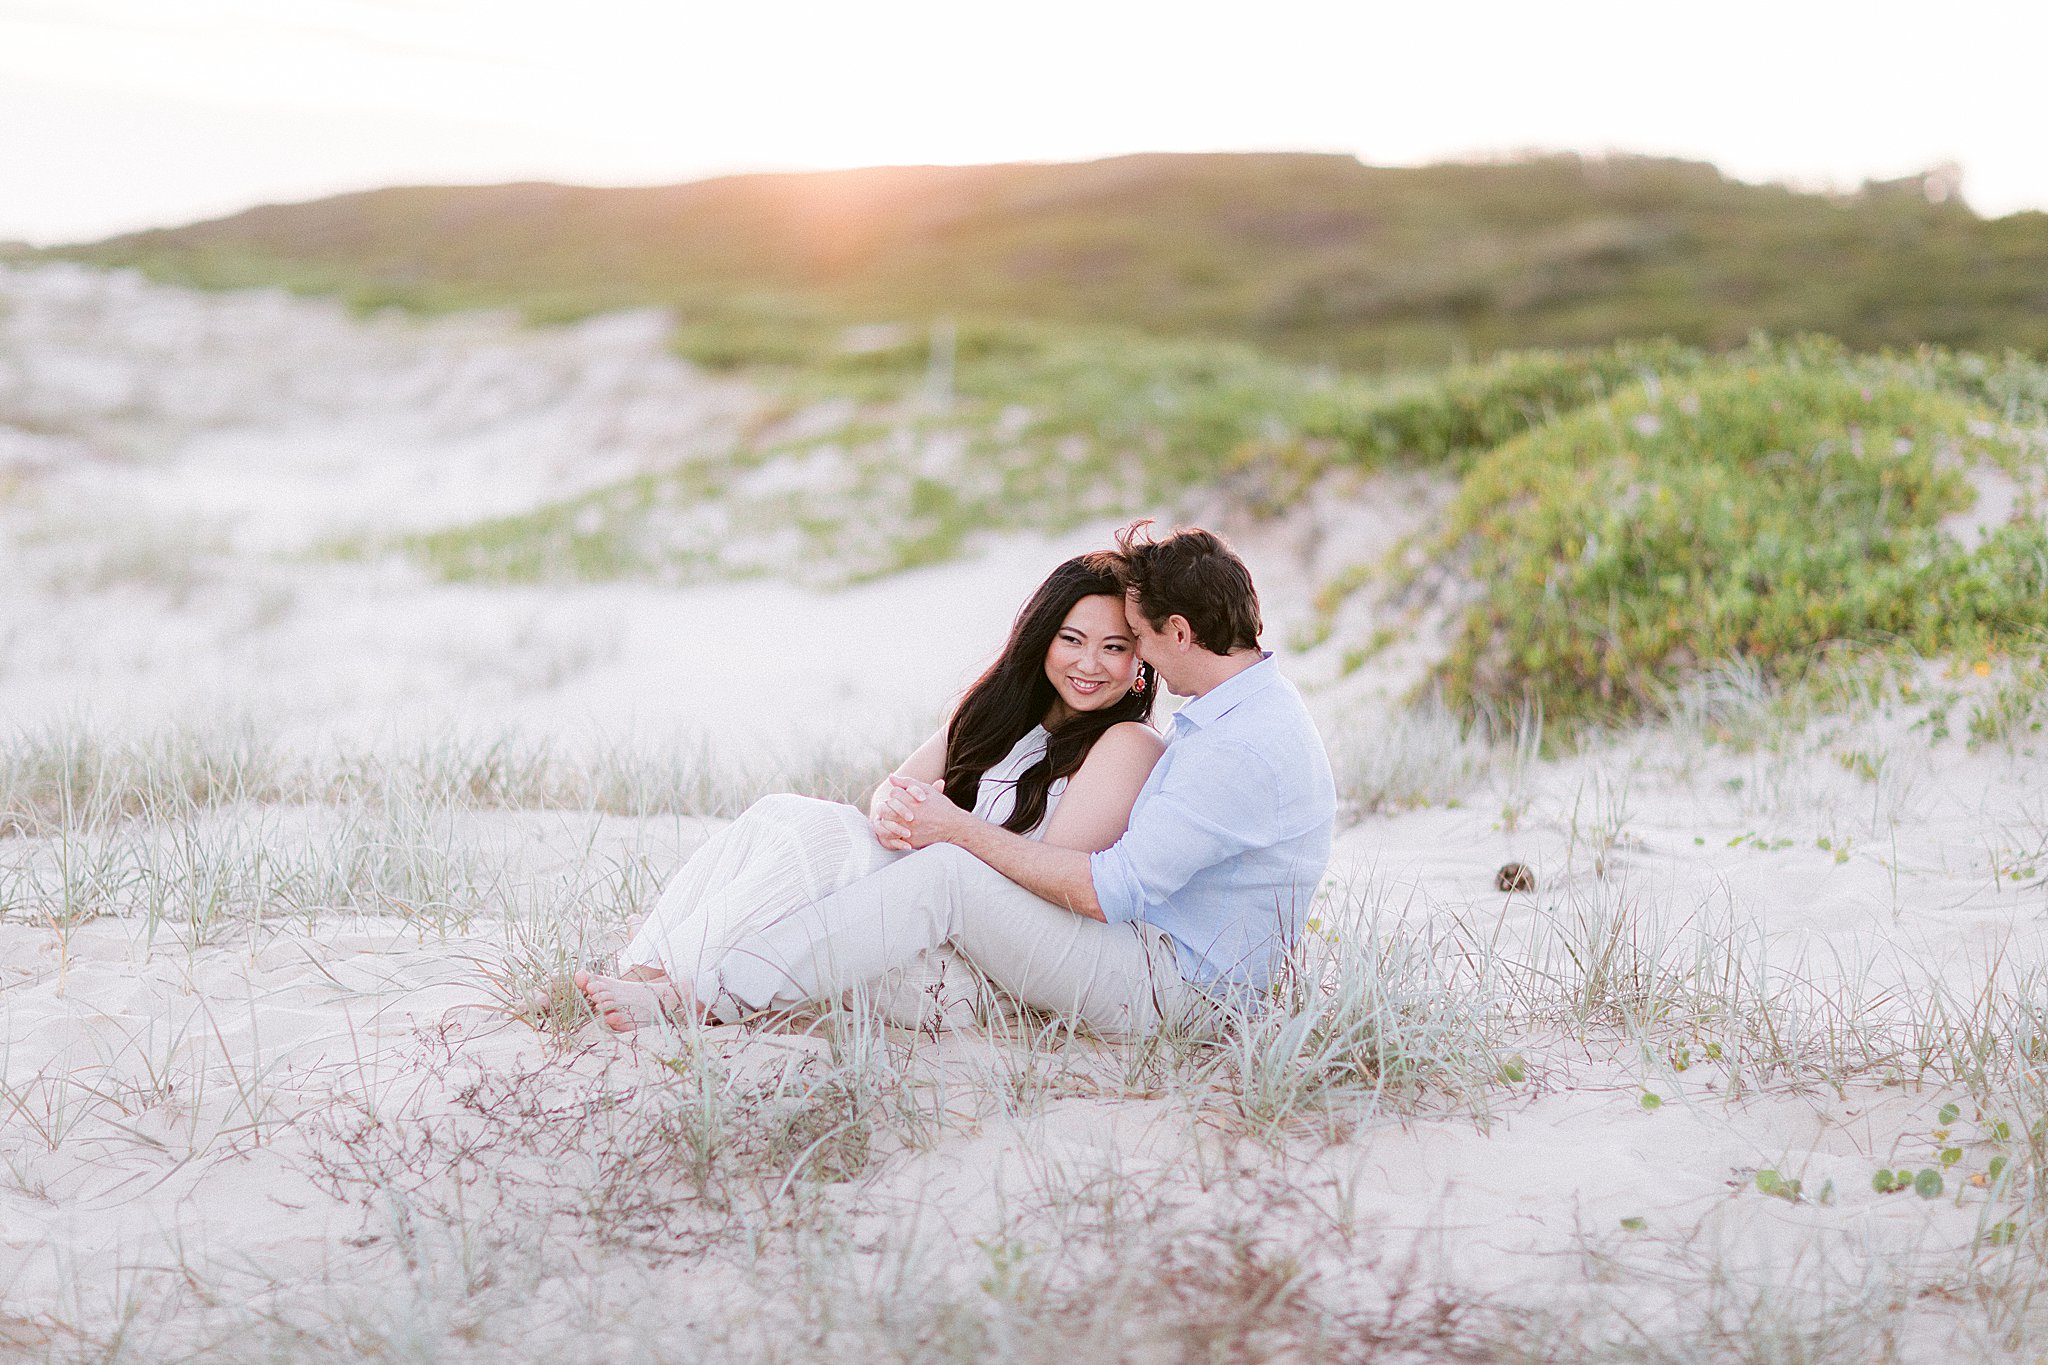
[1047, 844]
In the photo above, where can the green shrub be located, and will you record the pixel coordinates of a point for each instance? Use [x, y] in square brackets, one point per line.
[1747, 510]
[2013, 386]
[1187, 412]
[1177, 412]
[1467, 410]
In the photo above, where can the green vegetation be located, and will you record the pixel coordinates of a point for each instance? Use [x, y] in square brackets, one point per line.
[1633, 512]
[1777, 1186]
[1314, 257]
[2015, 710]
[1032, 426]
[959, 350]
[1759, 507]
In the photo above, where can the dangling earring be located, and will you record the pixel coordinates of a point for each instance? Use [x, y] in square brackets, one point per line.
[1138, 684]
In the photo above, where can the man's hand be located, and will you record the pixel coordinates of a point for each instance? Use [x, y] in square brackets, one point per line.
[917, 815]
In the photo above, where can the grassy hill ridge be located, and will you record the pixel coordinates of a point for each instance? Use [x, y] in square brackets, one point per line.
[1684, 493]
[1314, 256]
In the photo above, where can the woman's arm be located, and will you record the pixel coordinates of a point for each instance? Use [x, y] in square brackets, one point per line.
[921, 817]
[1095, 809]
[1056, 868]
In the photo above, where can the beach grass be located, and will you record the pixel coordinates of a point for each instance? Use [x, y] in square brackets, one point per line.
[489, 1176]
[1698, 1020]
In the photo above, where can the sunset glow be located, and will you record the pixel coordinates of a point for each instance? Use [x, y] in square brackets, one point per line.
[117, 114]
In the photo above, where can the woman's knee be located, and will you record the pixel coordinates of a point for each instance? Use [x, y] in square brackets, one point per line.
[780, 806]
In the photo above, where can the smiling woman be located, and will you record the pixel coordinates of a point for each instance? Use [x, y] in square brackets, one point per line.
[1023, 750]
[1070, 667]
[1092, 657]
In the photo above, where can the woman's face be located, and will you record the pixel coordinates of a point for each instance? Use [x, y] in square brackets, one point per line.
[1092, 659]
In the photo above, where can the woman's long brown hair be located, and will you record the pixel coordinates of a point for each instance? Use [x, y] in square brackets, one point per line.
[1014, 695]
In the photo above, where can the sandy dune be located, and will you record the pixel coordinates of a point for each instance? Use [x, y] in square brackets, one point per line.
[280, 838]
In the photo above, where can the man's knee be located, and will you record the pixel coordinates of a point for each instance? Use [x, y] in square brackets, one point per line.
[949, 862]
[955, 879]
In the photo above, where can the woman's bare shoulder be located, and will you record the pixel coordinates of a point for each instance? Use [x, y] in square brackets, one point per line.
[1131, 740]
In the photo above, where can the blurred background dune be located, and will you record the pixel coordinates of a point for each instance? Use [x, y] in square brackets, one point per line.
[1318, 257]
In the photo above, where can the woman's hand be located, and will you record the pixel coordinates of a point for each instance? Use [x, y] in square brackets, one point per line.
[890, 811]
[880, 819]
[927, 764]
[917, 814]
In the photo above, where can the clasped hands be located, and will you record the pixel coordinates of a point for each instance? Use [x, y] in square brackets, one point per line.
[917, 815]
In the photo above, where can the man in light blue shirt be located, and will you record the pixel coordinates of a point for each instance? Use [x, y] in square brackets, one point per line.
[1228, 840]
[1231, 832]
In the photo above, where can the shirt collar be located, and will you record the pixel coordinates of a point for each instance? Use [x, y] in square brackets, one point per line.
[1219, 700]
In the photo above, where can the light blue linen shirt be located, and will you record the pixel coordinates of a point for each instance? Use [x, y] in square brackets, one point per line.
[1230, 835]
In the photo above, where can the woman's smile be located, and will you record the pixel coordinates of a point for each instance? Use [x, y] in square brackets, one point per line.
[1092, 658]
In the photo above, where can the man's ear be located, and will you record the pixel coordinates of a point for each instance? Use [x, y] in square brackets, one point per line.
[1183, 634]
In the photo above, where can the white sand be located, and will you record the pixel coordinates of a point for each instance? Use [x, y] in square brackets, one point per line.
[317, 1133]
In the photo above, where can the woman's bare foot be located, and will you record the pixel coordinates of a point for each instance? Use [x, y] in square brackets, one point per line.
[547, 998]
[634, 1001]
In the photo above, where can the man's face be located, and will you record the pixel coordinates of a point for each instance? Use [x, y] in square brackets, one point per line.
[1155, 647]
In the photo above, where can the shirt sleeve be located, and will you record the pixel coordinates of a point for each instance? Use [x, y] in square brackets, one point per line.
[1215, 801]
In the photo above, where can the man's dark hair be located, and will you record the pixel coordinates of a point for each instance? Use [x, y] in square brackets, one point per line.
[1192, 574]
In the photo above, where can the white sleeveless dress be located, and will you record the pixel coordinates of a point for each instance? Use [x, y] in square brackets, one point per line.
[785, 851]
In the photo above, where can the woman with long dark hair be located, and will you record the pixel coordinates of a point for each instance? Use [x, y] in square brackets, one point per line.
[1053, 741]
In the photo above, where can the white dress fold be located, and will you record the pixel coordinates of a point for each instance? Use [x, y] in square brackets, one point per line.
[786, 851]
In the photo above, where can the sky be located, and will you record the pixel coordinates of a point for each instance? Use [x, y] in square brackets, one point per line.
[123, 114]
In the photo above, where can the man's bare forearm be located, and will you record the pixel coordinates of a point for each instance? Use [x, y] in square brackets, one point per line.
[1059, 875]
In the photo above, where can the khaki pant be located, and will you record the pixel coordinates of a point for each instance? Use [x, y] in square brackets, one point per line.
[1120, 979]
